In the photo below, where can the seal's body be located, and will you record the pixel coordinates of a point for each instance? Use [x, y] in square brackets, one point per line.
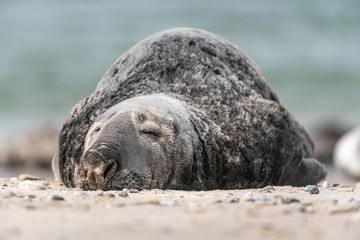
[184, 109]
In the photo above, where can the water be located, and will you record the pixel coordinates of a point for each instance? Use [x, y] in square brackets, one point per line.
[53, 53]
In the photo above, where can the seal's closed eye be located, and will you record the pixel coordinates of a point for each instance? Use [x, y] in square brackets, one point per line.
[151, 133]
[151, 130]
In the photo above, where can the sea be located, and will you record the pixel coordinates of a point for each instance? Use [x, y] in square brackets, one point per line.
[53, 53]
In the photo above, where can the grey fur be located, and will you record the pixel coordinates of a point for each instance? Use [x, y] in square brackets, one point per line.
[246, 137]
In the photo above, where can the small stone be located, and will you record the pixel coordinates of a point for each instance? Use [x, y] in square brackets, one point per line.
[216, 201]
[267, 189]
[123, 194]
[133, 190]
[31, 184]
[354, 204]
[30, 207]
[125, 189]
[30, 196]
[169, 190]
[235, 200]
[339, 210]
[80, 194]
[109, 195]
[250, 199]
[312, 189]
[57, 198]
[289, 200]
[264, 200]
[278, 197]
[168, 203]
[325, 184]
[24, 177]
[334, 201]
[248, 194]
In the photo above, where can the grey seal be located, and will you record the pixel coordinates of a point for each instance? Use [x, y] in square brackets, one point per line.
[184, 109]
[347, 153]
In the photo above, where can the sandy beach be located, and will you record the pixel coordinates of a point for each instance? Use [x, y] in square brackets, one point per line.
[39, 209]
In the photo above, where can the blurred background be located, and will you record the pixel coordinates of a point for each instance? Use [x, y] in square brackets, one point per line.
[53, 53]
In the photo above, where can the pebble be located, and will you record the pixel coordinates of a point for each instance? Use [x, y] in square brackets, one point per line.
[57, 198]
[109, 195]
[31, 184]
[216, 201]
[264, 201]
[250, 199]
[339, 210]
[169, 190]
[24, 177]
[30, 196]
[125, 189]
[312, 189]
[326, 184]
[334, 201]
[123, 194]
[80, 194]
[289, 200]
[83, 206]
[133, 190]
[248, 194]
[235, 200]
[168, 203]
[355, 204]
[30, 206]
[267, 189]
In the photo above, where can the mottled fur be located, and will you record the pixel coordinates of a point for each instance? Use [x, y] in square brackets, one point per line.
[248, 139]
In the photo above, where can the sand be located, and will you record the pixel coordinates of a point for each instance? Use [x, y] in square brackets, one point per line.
[39, 209]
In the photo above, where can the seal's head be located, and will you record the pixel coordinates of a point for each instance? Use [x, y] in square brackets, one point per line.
[142, 142]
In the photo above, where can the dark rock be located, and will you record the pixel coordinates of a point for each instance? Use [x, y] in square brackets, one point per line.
[57, 198]
[133, 191]
[312, 189]
[123, 194]
[289, 200]
[250, 199]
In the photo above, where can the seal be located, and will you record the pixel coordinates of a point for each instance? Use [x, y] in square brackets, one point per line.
[347, 153]
[184, 109]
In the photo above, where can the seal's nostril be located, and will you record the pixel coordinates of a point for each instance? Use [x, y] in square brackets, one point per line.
[110, 170]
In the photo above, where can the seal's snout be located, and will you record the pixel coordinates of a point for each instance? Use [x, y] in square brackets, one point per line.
[95, 171]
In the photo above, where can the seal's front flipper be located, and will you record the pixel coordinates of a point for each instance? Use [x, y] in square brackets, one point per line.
[308, 172]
